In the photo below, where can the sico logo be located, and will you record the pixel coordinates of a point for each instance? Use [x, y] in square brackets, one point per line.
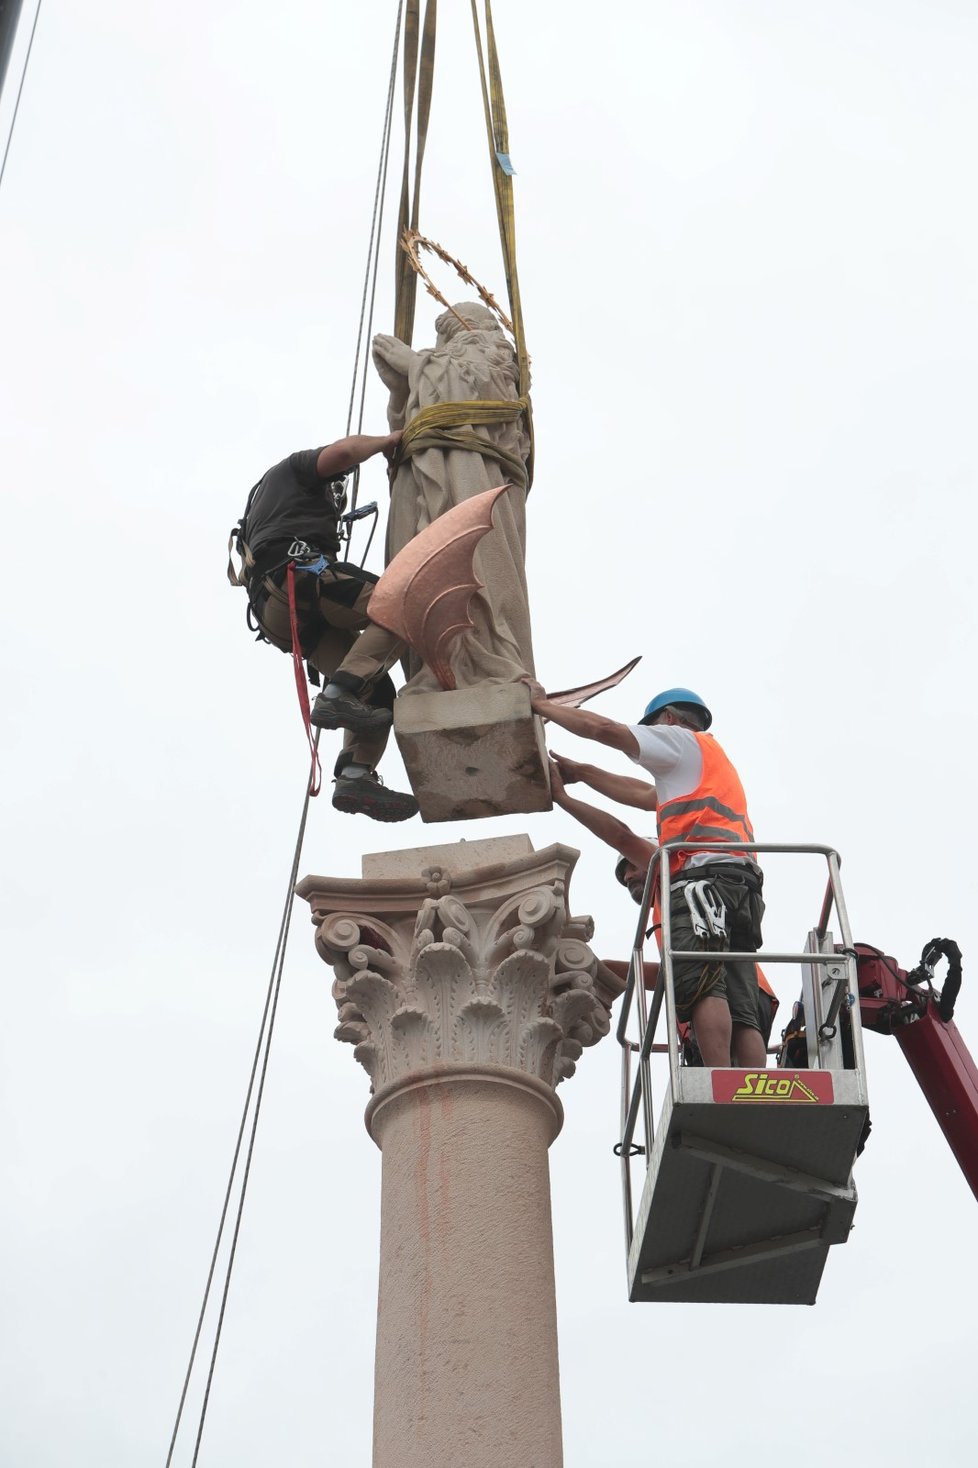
[761, 1086]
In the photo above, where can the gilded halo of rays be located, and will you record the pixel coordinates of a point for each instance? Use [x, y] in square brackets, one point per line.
[412, 241]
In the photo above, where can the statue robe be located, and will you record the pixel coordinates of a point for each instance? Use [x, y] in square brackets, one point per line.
[464, 366]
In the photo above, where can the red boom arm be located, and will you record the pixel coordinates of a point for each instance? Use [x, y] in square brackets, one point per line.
[892, 1002]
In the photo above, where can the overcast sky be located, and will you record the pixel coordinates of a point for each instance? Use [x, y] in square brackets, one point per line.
[747, 235]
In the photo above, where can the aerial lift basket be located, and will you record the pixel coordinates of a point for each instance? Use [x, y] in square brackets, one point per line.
[748, 1174]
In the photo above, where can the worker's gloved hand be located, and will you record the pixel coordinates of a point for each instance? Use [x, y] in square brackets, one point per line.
[569, 769]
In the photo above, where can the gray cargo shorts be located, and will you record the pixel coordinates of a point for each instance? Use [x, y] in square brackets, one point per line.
[708, 978]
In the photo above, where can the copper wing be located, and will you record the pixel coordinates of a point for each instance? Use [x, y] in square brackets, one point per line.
[424, 595]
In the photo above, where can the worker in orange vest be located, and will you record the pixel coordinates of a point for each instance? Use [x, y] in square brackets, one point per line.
[632, 869]
[716, 902]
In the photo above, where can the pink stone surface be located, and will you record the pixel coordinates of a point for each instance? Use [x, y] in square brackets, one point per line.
[466, 1365]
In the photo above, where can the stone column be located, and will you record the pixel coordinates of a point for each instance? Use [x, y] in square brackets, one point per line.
[469, 992]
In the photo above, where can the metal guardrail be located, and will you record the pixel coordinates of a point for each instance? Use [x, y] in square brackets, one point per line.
[819, 1021]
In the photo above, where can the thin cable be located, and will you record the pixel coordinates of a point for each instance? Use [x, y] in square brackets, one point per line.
[13, 120]
[260, 1062]
[282, 945]
[380, 221]
[378, 205]
[373, 259]
[271, 1002]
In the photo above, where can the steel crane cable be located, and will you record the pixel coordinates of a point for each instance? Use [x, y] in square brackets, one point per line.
[373, 262]
[259, 1065]
[23, 75]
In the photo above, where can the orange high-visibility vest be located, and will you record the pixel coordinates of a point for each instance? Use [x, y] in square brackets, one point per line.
[715, 811]
[762, 983]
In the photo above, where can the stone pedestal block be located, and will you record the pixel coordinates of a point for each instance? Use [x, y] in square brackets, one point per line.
[473, 752]
[455, 857]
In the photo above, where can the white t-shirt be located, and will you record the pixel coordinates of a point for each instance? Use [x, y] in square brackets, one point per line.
[671, 754]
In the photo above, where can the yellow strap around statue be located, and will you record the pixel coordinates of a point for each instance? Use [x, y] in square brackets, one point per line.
[442, 426]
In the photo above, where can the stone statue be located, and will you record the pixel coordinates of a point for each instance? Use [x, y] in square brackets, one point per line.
[465, 365]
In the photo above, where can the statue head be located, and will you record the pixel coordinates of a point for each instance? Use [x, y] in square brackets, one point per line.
[476, 316]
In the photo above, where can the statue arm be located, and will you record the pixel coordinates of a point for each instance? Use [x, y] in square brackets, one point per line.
[393, 360]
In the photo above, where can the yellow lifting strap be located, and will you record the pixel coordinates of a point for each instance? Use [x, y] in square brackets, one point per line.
[405, 280]
[502, 179]
[440, 426]
[450, 425]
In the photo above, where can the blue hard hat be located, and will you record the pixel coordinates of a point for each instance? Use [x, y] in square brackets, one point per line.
[679, 697]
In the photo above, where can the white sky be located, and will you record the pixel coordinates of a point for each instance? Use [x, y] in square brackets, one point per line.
[747, 234]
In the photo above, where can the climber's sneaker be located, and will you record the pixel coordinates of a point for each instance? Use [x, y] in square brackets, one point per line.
[345, 711]
[367, 795]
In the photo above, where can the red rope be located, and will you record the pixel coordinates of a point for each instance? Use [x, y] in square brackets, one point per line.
[315, 769]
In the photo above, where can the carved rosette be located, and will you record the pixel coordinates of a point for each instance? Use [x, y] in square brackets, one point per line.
[473, 975]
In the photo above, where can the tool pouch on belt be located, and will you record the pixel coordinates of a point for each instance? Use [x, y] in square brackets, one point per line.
[744, 907]
[745, 910]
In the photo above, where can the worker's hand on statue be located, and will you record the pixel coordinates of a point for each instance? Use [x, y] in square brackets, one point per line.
[557, 790]
[538, 694]
[391, 443]
[570, 770]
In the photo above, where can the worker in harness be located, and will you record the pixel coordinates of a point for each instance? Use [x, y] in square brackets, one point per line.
[631, 870]
[293, 518]
[716, 897]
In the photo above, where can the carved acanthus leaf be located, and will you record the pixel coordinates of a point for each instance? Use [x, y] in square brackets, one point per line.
[508, 982]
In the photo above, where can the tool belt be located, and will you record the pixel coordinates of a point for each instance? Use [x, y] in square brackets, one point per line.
[344, 585]
[723, 885]
[724, 871]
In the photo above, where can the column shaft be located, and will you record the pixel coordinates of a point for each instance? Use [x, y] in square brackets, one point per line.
[466, 1368]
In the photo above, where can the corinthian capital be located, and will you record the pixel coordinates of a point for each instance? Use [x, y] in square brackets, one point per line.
[468, 959]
